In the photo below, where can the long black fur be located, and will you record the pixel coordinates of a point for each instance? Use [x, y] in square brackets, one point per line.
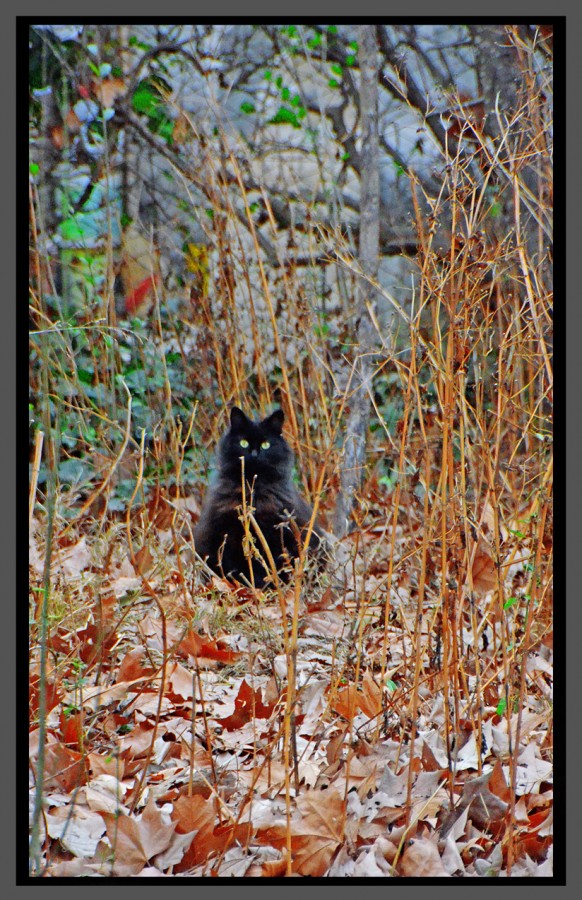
[280, 511]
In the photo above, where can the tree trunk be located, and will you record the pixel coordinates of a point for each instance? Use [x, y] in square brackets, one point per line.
[354, 452]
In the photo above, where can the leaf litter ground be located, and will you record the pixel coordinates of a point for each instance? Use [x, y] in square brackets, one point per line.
[172, 748]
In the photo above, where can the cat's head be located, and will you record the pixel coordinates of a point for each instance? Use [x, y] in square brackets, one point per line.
[260, 445]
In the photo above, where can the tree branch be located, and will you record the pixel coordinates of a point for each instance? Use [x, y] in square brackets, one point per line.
[354, 452]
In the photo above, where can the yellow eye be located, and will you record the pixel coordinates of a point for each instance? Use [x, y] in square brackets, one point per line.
[244, 444]
[265, 445]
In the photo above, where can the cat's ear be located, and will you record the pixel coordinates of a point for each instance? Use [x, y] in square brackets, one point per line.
[274, 422]
[238, 420]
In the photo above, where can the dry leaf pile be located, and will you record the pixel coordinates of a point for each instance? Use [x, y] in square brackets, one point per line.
[199, 730]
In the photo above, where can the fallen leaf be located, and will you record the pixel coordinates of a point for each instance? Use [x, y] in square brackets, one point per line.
[484, 571]
[181, 681]
[106, 764]
[136, 840]
[316, 832]
[79, 829]
[105, 794]
[133, 666]
[75, 559]
[107, 90]
[63, 768]
[71, 732]
[248, 706]
[421, 859]
[175, 852]
[195, 645]
[198, 815]
[53, 695]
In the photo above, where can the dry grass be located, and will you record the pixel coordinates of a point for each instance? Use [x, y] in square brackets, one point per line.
[444, 601]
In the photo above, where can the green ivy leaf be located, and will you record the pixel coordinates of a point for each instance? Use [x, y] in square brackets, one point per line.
[73, 471]
[34, 169]
[247, 108]
[501, 706]
[285, 116]
[166, 130]
[145, 101]
[337, 69]
[350, 60]
[141, 45]
[72, 229]
[333, 83]
[511, 602]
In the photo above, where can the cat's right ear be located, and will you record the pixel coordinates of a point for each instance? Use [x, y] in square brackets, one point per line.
[274, 422]
[238, 419]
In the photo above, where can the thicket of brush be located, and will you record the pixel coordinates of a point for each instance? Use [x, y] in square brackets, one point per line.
[451, 546]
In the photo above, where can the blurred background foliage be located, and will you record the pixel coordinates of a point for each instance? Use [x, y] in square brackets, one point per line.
[194, 225]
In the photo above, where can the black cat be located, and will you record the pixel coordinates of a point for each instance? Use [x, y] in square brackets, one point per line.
[282, 515]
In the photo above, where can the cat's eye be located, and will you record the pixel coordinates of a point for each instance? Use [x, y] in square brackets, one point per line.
[244, 443]
[265, 445]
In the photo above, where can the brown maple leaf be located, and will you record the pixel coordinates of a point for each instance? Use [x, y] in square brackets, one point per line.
[137, 839]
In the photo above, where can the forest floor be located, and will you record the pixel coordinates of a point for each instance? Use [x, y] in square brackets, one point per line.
[358, 726]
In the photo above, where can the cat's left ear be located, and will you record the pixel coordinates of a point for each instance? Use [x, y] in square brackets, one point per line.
[274, 422]
[238, 420]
